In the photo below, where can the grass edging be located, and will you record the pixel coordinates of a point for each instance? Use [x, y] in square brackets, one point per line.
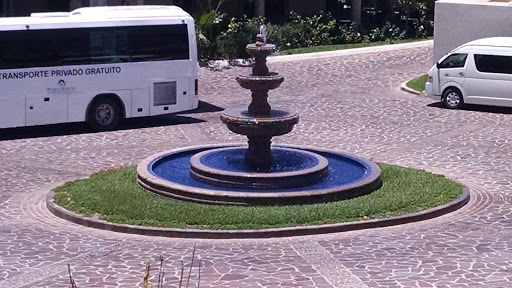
[451, 206]
[417, 84]
[113, 196]
[328, 48]
[347, 52]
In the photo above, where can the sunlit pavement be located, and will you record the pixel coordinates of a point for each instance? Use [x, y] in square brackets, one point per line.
[349, 103]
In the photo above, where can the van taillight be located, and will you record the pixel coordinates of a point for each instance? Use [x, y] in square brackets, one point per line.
[197, 86]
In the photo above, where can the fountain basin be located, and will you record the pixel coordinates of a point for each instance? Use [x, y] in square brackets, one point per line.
[168, 174]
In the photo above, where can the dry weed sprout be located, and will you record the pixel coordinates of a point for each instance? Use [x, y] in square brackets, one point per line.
[161, 274]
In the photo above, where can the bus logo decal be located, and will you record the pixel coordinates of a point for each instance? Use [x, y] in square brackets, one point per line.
[62, 89]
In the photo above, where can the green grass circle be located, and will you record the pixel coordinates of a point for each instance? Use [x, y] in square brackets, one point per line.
[114, 196]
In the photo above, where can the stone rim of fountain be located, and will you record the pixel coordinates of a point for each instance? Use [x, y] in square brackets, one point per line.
[164, 187]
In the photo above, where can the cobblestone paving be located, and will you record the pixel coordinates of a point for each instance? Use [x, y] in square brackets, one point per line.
[347, 103]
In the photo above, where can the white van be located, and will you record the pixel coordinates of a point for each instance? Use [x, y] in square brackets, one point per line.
[478, 72]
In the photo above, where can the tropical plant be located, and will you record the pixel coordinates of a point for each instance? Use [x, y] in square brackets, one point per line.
[207, 29]
[208, 26]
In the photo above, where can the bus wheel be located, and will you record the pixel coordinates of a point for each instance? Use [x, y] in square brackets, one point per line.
[104, 114]
[452, 99]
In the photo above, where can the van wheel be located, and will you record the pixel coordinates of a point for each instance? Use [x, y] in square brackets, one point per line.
[104, 114]
[452, 99]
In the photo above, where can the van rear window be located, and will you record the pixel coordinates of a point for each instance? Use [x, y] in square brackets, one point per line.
[493, 64]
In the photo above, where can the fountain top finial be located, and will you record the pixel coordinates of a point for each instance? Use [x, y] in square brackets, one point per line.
[260, 40]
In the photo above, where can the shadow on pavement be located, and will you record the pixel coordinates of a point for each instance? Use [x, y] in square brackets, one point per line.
[478, 108]
[127, 124]
[205, 107]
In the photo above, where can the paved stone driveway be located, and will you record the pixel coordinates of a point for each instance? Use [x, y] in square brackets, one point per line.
[347, 103]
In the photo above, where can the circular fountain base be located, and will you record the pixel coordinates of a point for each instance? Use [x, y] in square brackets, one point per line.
[171, 174]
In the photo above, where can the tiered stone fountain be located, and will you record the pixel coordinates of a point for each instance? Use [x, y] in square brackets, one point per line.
[259, 122]
[260, 173]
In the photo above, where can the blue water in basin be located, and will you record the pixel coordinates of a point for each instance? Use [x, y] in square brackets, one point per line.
[232, 160]
[343, 170]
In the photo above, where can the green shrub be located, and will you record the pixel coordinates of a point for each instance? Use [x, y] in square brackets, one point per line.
[388, 32]
[299, 31]
[348, 34]
[287, 36]
[240, 32]
[319, 29]
[425, 27]
[218, 40]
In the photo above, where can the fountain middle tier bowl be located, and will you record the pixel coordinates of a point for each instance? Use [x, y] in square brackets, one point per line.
[267, 82]
[277, 122]
[169, 174]
[260, 50]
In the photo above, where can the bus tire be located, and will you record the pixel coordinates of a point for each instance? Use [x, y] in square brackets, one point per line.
[104, 114]
[452, 98]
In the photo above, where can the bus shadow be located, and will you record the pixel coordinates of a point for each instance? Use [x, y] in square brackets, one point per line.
[205, 107]
[127, 124]
[478, 108]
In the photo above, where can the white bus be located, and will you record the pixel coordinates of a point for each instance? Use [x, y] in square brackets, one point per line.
[97, 64]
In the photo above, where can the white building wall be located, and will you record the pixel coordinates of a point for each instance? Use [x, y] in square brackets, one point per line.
[459, 21]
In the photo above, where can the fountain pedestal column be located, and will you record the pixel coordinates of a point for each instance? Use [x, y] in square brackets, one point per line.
[259, 104]
[259, 155]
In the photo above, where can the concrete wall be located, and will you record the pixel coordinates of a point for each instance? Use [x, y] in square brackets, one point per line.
[458, 22]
